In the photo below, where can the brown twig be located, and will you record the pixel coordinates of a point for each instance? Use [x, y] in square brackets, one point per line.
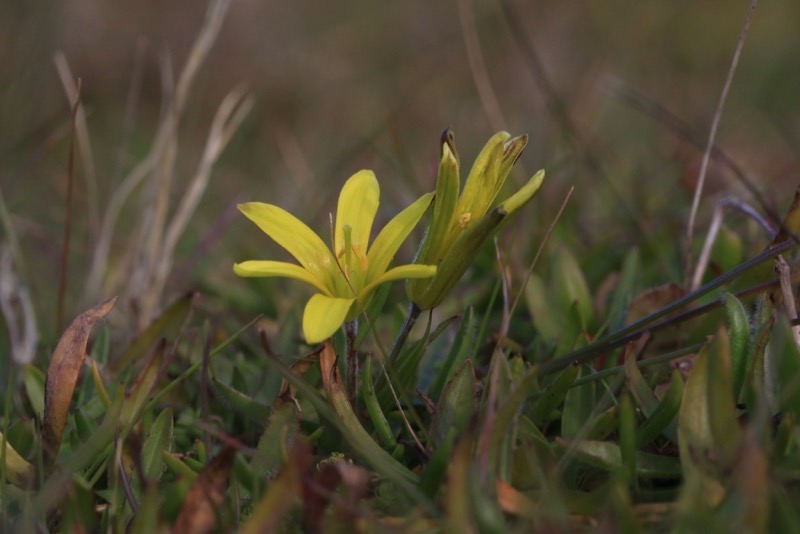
[636, 329]
[62, 281]
[559, 112]
[477, 67]
[351, 354]
[698, 192]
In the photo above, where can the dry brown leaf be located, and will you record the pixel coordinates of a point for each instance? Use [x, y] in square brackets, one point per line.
[331, 379]
[791, 222]
[284, 492]
[200, 510]
[513, 501]
[652, 300]
[62, 375]
[319, 492]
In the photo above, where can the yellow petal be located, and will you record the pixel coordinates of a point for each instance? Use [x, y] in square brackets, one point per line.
[279, 268]
[484, 180]
[435, 245]
[459, 257]
[392, 236]
[323, 316]
[358, 203]
[402, 272]
[521, 197]
[293, 235]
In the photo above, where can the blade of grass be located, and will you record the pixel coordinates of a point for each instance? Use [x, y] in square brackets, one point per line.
[636, 329]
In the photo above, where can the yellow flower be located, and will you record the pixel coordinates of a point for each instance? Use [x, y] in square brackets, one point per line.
[347, 277]
[461, 225]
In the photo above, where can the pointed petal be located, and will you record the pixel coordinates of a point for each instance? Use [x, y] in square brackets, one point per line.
[444, 207]
[463, 251]
[279, 268]
[402, 272]
[460, 256]
[293, 235]
[521, 197]
[484, 181]
[392, 236]
[435, 245]
[323, 316]
[358, 203]
[512, 150]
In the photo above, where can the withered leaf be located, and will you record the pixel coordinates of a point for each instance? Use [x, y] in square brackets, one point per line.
[200, 510]
[62, 375]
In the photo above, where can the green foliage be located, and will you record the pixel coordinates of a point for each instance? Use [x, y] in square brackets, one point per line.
[588, 390]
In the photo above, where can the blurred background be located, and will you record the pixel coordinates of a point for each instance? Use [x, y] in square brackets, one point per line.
[614, 95]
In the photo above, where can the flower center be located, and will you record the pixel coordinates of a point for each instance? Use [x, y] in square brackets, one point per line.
[352, 263]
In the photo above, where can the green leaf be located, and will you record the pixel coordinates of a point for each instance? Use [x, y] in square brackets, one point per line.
[728, 250]
[604, 424]
[166, 326]
[570, 285]
[143, 387]
[339, 413]
[276, 440]
[158, 440]
[456, 407]
[17, 470]
[240, 402]
[708, 431]
[626, 289]
[83, 425]
[761, 381]
[374, 308]
[33, 379]
[374, 410]
[553, 395]
[627, 440]
[146, 520]
[746, 507]
[178, 467]
[463, 347]
[788, 373]
[403, 372]
[740, 346]
[546, 316]
[607, 455]
[662, 420]
[725, 427]
[98, 446]
[579, 405]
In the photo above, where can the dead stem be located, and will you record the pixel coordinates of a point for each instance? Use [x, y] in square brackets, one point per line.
[408, 324]
[350, 332]
[712, 134]
[62, 282]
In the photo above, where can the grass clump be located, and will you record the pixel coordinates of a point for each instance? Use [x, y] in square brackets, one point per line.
[566, 392]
